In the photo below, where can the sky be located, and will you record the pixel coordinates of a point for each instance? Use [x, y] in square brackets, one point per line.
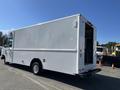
[104, 14]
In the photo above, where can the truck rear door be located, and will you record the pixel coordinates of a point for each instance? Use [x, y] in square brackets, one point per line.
[87, 47]
[88, 54]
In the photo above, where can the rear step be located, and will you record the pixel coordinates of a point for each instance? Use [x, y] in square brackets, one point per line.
[90, 72]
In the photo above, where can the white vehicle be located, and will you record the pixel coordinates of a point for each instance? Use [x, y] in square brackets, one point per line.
[101, 51]
[66, 45]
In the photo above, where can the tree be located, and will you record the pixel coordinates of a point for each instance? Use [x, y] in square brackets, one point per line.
[98, 43]
[1, 38]
[110, 46]
[5, 40]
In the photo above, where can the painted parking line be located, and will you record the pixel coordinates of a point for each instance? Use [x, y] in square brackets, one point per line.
[34, 81]
[41, 83]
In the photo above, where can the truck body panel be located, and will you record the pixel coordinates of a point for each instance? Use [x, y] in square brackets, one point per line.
[62, 45]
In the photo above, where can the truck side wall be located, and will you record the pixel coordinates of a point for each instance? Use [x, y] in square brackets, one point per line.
[54, 42]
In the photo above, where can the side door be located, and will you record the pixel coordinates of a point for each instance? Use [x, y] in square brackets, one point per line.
[9, 55]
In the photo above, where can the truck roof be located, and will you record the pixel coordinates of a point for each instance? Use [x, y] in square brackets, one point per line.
[52, 21]
[42, 23]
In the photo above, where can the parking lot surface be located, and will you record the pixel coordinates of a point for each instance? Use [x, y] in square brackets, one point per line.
[16, 77]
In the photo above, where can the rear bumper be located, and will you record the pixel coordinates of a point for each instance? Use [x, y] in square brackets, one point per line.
[90, 72]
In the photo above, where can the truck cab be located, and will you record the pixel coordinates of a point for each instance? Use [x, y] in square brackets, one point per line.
[101, 51]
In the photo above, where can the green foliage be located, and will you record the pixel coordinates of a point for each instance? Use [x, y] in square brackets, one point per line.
[110, 46]
[3, 39]
[117, 53]
[98, 43]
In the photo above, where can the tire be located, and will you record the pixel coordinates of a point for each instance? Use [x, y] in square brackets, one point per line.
[2, 57]
[36, 68]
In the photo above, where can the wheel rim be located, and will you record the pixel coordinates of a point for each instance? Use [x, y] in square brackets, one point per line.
[35, 69]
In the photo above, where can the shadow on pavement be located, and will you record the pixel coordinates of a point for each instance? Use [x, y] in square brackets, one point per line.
[96, 82]
[22, 67]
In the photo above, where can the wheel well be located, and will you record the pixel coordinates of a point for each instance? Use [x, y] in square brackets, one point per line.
[2, 56]
[36, 60]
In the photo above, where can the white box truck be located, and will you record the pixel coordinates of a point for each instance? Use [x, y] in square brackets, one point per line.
[66, 45]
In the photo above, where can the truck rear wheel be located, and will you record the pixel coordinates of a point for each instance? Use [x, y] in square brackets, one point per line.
[2, 57]
[36, 68]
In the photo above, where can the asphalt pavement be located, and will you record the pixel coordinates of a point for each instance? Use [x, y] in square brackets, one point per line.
[17, 77]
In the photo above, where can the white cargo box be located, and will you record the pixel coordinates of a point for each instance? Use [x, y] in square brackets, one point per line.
[66, 45]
